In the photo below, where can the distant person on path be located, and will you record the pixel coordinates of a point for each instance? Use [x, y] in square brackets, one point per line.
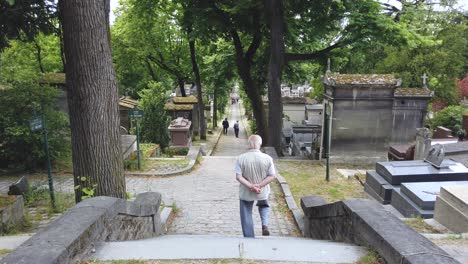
[254, 170]
[225, 126]
[236, 129]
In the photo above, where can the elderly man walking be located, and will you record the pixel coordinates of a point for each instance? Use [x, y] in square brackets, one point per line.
[254, 170]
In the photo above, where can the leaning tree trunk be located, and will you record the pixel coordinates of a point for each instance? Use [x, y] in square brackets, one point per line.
[201, 106]
[275, 67]
[92, 99]
[258, 109]
[215, 107]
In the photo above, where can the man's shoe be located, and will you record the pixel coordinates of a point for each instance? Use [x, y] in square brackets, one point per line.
[265, 231]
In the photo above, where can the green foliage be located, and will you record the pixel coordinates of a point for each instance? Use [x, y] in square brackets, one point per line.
[319, 89]
[149, 45]
[25, 19]
[176, 151]
[450, 117]
[88, 190]
[372, 257]
[39, 197]
[252, 127]
[19, 147]
[155, 120]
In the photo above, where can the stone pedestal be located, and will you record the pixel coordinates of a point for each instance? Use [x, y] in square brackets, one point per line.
[423, 143]
[451, 208]
[11, 214]
[181, 133]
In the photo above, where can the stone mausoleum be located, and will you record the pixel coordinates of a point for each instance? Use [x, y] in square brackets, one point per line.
[370, 111]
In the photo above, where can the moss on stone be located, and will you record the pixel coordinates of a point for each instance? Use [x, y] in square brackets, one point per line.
[412, 91]
[379, 79]
[178, 107]
[185, 100]
[6, 201]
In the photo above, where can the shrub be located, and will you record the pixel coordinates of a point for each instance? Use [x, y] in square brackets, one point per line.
[449, 117]
[19, 147]
[155, 120]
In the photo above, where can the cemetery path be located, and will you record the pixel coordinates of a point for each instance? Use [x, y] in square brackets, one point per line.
[206, 200]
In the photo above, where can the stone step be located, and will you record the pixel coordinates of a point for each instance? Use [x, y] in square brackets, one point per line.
[230, 247]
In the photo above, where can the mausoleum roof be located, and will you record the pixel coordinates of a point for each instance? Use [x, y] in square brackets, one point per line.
[413, 92]
[127, 102]
[178, 107]
[185, 100]
[53, 78]
[362, 79]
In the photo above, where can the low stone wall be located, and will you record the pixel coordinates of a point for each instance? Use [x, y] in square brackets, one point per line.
[76, 233]
[11, 214]
[366, 223]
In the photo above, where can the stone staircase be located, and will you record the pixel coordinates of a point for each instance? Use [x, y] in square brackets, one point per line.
[194, 247]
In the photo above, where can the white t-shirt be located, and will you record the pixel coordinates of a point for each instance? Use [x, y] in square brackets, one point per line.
[254, 166]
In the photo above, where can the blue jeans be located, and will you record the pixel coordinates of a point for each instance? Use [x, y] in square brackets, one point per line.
[246, 215]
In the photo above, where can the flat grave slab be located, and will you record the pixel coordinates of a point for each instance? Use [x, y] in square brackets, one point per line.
[379, 186]
[397, 172]
[407, 207]
[424, 193]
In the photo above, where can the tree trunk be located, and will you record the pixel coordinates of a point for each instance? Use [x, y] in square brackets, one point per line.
[253, 93]
[92, 99]
[275, 67]
[215, 108]
[244, 64]
[181, 86]
[201, 106]
[38, 55]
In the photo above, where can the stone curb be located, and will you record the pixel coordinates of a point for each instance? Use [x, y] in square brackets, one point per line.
[215, 144]
[188, 168]
[291, 203]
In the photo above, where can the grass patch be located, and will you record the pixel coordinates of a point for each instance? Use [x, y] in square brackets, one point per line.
[308, 178]
[148, 149]
[25, 225]
[372, 257]
[165, 164]
[5, 251]
[420, 226]
[40, 198]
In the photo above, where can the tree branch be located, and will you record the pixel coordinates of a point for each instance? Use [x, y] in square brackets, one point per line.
[314, 55]
[257, 37]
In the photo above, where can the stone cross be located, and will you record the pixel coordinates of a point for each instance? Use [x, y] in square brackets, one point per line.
[425, 77]
[328, 72]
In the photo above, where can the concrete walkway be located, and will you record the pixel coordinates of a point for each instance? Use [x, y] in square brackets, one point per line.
[207, 199]
[231, 247]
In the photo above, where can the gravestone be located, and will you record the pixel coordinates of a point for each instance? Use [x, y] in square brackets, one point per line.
[423, 143]
[442, 132]
[21, 187]
[411, 186]
[436, 156]
[419, 198]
